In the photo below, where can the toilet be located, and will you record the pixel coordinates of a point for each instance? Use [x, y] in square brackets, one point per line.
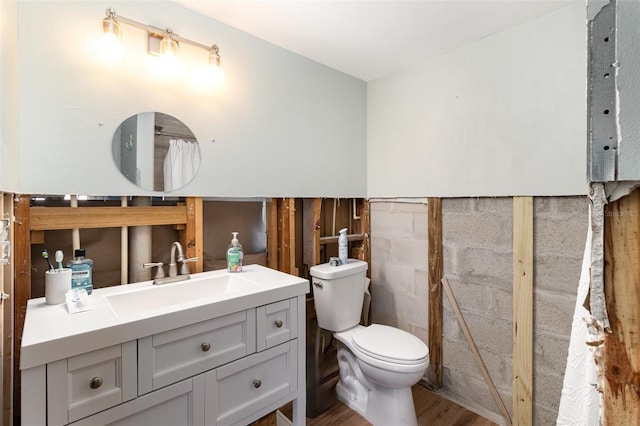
[378, 364]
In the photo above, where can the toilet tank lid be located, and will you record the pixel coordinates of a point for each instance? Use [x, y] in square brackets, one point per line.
[328, 272]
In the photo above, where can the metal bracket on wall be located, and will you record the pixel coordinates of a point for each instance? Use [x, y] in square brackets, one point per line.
[601, 104]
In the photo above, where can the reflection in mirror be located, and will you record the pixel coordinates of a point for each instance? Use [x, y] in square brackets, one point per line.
[156, 151]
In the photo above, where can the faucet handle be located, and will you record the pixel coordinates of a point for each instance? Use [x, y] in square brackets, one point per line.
[159, 271]
[184, 269]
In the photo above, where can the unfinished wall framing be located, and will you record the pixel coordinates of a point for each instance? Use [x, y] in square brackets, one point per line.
[621, 352]
[6, 308]
[32, 222]
[614, 151]
[478, 262]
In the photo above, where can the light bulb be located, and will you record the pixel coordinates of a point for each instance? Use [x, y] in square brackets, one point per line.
[168, 61]
[110, 49]
[215, 75]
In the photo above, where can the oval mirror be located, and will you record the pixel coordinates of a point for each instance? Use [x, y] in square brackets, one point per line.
[156, 151]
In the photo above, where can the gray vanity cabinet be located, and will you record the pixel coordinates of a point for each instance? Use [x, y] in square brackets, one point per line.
[173, 355]
[84, 384]
[227, 370]
[179, 404]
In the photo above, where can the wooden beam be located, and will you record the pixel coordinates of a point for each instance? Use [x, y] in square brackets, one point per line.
[37, 237]
[22, 287]
[311, 231]
[292, 236]
[333, 239]
[283, 235]
[6, 210]
[365, 229]
[272, 233]
[522, 311]
[621, 397]
[434, 226]
[286, 236]
[52, 218]
[192, 236]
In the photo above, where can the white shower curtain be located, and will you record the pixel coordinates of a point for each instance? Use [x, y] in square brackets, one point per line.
[180, 164]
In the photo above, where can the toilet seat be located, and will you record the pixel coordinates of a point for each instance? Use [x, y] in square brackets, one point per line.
[389, 344]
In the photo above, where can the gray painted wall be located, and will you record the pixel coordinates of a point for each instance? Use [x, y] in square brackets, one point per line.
[276, 114]
[505, 115]
[8, 96]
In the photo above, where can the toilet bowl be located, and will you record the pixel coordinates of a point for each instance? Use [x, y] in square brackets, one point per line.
[378, 364]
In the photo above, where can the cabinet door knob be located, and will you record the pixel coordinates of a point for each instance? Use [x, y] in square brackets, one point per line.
[257, 383]
[205, 347]
[95, 383]
[279, 323]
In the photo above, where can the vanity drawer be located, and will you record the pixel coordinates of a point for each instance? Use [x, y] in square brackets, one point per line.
[85, 384]
[237, 390]
[177, 354]
[277, 323]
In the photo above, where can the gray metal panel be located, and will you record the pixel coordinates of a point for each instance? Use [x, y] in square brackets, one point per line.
[603, 139]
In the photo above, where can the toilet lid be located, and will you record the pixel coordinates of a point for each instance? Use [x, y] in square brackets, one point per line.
[390, 344]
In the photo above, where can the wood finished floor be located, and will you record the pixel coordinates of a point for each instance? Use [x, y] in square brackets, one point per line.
[431, 409]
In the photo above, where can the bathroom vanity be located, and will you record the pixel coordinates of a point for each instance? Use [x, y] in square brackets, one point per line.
[218, 349]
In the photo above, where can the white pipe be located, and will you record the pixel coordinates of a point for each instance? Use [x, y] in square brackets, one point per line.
[124, 249]
[140, 252]
[75, 232]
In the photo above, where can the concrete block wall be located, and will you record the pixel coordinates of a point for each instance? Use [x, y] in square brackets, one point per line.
[399, 267]
[477, 250]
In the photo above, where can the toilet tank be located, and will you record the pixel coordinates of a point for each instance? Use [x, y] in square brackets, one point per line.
[338, 292]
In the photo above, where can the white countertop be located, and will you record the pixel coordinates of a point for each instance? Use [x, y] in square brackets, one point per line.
[51, 333]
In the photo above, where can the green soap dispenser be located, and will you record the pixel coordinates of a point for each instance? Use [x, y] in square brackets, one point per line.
[234, 254]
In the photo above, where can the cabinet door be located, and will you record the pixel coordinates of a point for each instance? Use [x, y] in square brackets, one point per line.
[234, 392]
[177, 354]
[85, 384]
[179, 404]
[276, 323]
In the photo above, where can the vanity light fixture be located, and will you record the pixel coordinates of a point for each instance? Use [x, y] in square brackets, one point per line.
[168, 46]
[163, 43]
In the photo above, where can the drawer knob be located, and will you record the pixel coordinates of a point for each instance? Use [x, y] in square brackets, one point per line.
[257, 383]
[205, 347]
[279, 323]
[95, 383]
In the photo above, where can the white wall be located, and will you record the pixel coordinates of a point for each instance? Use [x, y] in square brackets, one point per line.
[503, 116]
[8, 97]
[283, 125]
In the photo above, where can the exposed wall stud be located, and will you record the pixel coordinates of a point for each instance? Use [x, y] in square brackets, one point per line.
[621, 357]
[22, 288]
[522, 311]
[311, 231]
[434, 218]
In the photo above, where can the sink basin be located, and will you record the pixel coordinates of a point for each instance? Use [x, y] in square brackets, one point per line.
[166, 295]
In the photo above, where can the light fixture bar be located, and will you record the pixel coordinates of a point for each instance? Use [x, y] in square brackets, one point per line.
[113, 16]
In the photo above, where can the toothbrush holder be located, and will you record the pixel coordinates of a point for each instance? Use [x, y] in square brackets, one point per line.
[56, 285]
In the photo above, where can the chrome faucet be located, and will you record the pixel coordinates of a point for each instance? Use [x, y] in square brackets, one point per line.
[173, 266]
